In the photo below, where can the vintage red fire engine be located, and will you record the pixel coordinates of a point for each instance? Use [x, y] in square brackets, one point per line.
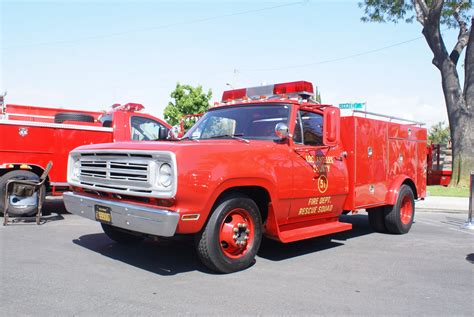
[267, 161]
[32, 136]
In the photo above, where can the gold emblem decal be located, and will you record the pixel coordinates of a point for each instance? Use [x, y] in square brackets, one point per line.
[322, 184]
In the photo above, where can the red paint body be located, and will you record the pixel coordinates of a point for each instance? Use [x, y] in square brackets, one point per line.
[308, 187]
[438, 172]
[42, 140]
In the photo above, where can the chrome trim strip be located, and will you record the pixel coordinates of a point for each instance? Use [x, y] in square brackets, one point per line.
[58, 184]
[29, 115]
[388, 117]
[55, 125]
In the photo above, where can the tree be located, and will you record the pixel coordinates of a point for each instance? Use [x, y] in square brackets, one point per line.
[187, 100]
[459, 100]
[439, 133]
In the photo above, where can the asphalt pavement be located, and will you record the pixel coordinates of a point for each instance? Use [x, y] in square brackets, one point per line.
[68, 266]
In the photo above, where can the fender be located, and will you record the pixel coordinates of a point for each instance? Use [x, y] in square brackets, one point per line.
[240, 182]
[271, 226]
[394, 188]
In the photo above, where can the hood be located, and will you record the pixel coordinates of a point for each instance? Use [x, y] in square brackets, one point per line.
[180, 146]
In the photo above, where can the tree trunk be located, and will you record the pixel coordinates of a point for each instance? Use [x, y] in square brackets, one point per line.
[459, 105]
[463, 153]
[460, 116]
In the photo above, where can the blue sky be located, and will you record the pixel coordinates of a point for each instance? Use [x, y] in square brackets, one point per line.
[91, 54]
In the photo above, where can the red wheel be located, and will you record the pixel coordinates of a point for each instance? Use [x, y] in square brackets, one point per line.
[399, 217]
[237, 233]
[232, 236]
[406, 210]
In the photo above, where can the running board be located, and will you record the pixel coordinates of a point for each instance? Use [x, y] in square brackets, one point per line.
[313, 231]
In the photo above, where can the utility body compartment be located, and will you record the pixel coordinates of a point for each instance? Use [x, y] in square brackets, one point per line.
[381, 155]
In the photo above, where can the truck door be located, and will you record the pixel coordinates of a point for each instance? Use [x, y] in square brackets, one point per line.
[134, 127]
[145, 129]
[319, 173]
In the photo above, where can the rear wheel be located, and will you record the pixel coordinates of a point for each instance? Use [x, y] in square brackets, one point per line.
[377, 219]
[19, 206]
[121, 236]
[399, 217]
[232, 236]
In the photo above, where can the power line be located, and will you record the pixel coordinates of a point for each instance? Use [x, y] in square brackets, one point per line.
[166, 26]
[334, 59]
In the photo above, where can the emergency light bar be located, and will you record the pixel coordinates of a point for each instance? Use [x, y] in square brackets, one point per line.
[128, 107]
[301, 88]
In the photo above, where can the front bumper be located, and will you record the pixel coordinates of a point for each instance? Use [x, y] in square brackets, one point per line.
[127, 216]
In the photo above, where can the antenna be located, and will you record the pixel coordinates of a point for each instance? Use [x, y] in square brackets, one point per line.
[3, 106]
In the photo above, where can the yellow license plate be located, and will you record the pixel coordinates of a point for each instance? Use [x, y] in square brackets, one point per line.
[102, 214]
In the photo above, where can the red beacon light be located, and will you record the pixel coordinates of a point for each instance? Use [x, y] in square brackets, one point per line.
[302, 89]
[128, 107]
[234, 94]
[296, 87]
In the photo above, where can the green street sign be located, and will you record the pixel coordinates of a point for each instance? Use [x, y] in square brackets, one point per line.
[355, 105]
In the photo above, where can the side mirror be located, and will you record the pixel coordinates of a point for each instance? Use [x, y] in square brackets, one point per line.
[281, 130]
[163, 133]
[173, 133]
[331, 126]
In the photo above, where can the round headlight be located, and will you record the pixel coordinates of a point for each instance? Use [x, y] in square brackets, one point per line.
[166, 176]
[76, 172]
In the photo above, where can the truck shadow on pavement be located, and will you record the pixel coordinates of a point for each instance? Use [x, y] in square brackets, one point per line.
[164, 257]
[173, 256]
[54, 205]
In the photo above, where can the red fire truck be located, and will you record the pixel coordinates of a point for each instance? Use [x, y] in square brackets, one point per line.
[31, 136]
[440, 167]
[267, 161]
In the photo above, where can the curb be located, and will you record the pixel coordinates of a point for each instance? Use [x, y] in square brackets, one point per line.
[439, 210]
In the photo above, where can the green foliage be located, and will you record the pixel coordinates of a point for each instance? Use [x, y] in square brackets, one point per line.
[387, 11]
[187, 100]
[397, 10]
[439, 133]
[317, 96]
[448, 191]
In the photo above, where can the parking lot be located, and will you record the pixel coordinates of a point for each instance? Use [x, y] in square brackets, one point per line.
[68, 266]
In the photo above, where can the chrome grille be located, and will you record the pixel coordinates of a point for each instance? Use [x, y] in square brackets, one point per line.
[115, 170]
[122, 172]
[119, 171]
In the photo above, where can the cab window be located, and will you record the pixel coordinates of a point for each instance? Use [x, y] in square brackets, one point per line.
[308, 128]
[145, 129]
[256, 122]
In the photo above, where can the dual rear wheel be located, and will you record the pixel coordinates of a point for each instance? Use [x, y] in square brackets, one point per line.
[397, 218]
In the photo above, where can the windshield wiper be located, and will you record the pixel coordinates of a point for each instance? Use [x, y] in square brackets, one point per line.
[232, 136]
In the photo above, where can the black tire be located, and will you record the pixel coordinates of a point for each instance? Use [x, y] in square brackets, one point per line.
[211, 250]
[121, 236]
[69, 116]
[377, 219]
[396, 220]
[18, 210]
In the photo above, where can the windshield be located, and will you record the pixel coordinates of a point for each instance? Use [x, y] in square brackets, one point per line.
[250, 122]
